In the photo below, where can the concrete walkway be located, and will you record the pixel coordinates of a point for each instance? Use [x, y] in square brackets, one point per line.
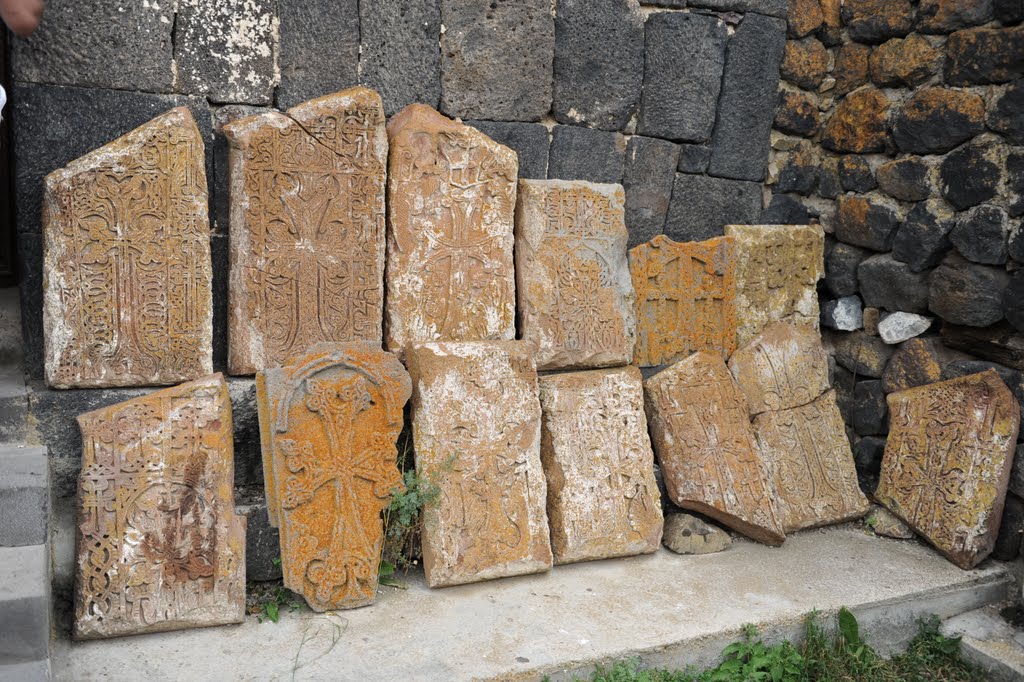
[667, 609]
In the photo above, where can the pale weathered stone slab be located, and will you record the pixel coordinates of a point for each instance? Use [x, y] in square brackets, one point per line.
[126, 275]
[476, 428]
[706, 448]
[329, 421]
[777, 272]
[947, 462]
[307, 228]
[603, 499]
[809, 455]
[451, 197]
[687, 534]
[576, 300]
[784, 366]
[685, 299]
[159, 544]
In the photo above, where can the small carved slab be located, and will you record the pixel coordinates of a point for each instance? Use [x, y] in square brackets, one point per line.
[307, 228]
[329, 421]
[576, 300]
[685, 299]
[809, 455]
[476, 428]
[127, 271]
[451, 197]
[159, 544]
[706, 448]
[777, 273]
[947, 462]
[603, 499]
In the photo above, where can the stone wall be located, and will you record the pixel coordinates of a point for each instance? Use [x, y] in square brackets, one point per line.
[900, 127]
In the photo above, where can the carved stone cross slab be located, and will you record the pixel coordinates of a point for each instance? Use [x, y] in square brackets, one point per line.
[159, 544]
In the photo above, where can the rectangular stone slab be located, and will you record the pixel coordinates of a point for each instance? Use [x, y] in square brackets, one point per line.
[777, 273]
[127, 270]
[159, 544]
[451, 197]
[329, 421]
[947, 462]
[476, 430]
[307, 228]
[603, 499]
[685, 299]
[575, 294]
[706, 448]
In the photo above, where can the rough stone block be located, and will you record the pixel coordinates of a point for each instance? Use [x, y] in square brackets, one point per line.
[25, 595]
[875, 21]
[1013, 300]
[885, 523]
[775, 8]
[868, 453]
[906, 179]
[968, 294]
[900, 327]
[785, 210]
[979, 56]
[841, 265]
[805, 63]
[1011, 528]
[859, 124]
[856, 175]
[851, 68]
[399, 53]
[262, 544]
[844, 314]
[1009, 11]
[647, 178]
[981, 233]
[864, 355]
[320, 47]
[944, 16]
[970, 175]
[686, 534]
[530, 142]
[887, 283]
[797, 114]
[586, 154]
[24, 496]
[694, 158]
[999, 343]
[937, 120]
[916, 363]
[863, 222]
[702, 206]
[867, 409]
[904, 62]
[1006, 116]
[922, 240]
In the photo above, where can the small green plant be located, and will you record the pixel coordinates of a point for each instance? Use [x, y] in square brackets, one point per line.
[278, 598]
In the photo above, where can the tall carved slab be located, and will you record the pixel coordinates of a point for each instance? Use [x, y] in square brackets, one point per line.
[576, 300]
[777, 273]
[307, 228]
[685, 299]
[947, 462]
[706, 448]
[159, 544]
[603, 499]
[126, 276]
[451, 197]
[476, 429]
[329, 421]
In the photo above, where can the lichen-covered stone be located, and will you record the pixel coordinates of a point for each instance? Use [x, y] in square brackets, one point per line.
[887, 283]
[851, 68]
[805, 63]
[647, 178]
[979, 56]
[859, 123]
[702, 206]
[797, 114]
[936, 120]
[398, 51]
[875, 21]
[855, 174]
[916, 363]
[970, 175]
[843, 314]
[310, 29]
[980, 234]
[1007, 113]
[906, 179]
[863, 222]
[800, 171]
[785, 210]
[862, 354]
[968, 294]
[586, 154]
[944, 16]
[530, 142]
[687, 534]
[841, 264]
[904, 62]
[871, 318]
[922, 240]
[885, 523]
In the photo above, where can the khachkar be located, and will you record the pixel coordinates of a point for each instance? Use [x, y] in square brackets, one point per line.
[706, 448]
[777, 273]
[307, 228]
[603, 499]
[685, 299]
[947, 462]
[451, 196]
[159, 544]
[576, 297]
[329, 421]
[126, 276]
[476, 429]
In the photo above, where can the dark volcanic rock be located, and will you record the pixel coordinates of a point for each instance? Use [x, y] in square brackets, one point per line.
[859, 123]
[892, 285]
[864, 355]
[875, 21]
[1013, 300]
[867, 455]
[917, 362]
[805, 63]
[855, 174]
[649, 173]
[694, 158]
[862, 222]
[528, 140]
[936, 120]
[905, 179]
[851, 69]
[702, 206]
[841, 265]
[970, 175]
[966, 293]
[922, 241]
[870, 412]
[800, 172]
[980, 234]
[785, 210]
[1000, 343]
[944, 16]
[399, 54]
[1007, 115]
[797, 114]
[985, 55]
[1011, 530]
[586, 154]
[1009, 11]
[904, 62]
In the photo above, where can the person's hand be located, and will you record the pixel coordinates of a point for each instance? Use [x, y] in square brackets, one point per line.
[21, 16]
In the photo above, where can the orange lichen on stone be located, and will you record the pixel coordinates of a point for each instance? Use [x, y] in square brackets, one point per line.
[947, 462]
[451, 197]
[603, 499]
[476, 429]
[685, 299]
[127, 271]
[329, 421]
[159, 544]
[307, 228]
[576, 300]
[705, 446]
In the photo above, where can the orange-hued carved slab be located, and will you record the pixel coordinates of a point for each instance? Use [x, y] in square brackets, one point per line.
[159, 545]
[603, 499]
[127, 271]
[451, 197]
[307, 228]
[329, 421]
[685, 299]
[576, 300]
[947, 462]
[476, 429]
[705, 445]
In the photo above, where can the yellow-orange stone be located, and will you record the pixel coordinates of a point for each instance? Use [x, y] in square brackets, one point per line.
[947, 462]
[159, 546]
[706, 448]
[575, 294]
[603, 499]
[329, 421]
[685, 299]
[307, 228]
[476, 429]
[451, 197]
[126, 261]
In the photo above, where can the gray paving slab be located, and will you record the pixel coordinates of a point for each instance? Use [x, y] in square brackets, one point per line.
[25, 604]
[990, 642]
[24, 496]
